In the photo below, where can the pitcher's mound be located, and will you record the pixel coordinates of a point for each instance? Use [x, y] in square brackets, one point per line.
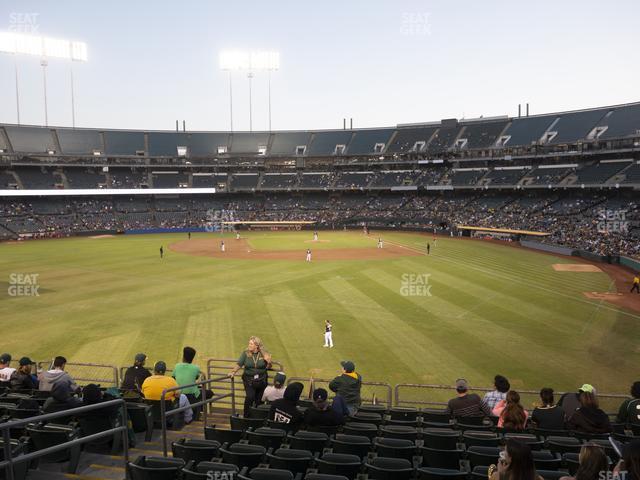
[575, 267]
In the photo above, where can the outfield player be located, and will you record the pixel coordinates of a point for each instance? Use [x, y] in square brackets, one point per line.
[237, 235]
[428, 248]
[222, 246]
[161, 251]
[308, 255]
[315, 236]
[328, 339]
[189, 235]
[379, 242]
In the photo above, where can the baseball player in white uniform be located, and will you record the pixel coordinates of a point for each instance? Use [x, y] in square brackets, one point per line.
[379, 242]
[308, 255]
[222, 246]
[328, 339]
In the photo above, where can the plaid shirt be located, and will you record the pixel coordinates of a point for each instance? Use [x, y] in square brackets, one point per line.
[492, 398]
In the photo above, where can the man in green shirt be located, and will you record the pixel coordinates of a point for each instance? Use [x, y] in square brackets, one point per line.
[186, 373]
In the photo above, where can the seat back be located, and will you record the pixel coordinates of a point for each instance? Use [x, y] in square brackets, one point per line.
[562, 445]
[242, 423]
[369, 430]
[381, 468]
[447, 459]
[202, 470]
[351, 444]
[339, 464]
[270, 474]
[429, 473]
[483, 456]
[296, 461]
[433, 415]
[403, 432]
[223, 435]
[155, 468]
[480, 439]
[195, 449]
[407, 414]
[441, 438]
[44, 437]
[267, 437]
[312, 441]
[243, 455]
[395, 448]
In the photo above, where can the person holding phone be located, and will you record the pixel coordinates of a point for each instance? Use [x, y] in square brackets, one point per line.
[255, 361]
[516, 463]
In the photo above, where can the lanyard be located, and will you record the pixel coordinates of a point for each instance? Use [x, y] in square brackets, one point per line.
[255, 360]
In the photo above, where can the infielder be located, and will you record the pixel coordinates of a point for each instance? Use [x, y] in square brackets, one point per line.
[328, 339]
[379, 242]
[222, 246]
[308, 255]
[237, 235]
[315, 236]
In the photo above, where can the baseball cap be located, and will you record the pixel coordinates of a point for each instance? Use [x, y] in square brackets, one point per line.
[279, 378]
[587, 388]
[26, 361]
[462, 385]
[320, 395]
[160, 367]
[5, 358]
[348, 366]
[140, 357]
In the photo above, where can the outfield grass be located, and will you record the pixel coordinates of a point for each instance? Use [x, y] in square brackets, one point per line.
[493, 309]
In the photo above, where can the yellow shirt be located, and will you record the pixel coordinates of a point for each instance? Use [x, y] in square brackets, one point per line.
[153, 386]
[636, 280]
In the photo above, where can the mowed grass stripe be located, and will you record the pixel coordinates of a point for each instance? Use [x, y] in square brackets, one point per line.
[414, 350]
[489, 324]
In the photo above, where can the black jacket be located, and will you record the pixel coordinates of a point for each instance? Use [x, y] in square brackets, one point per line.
[134, 377]
[315, 417]
[590, 420]
[22, 381]
[285, 410]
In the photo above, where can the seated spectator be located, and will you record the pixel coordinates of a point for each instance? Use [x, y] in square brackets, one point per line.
[62, 398]
[629, 411]
[135, 375]
[276, 391]
[286, 410]
[466, 404]
[517, 463]
[5, 369]
[593, 462]
[570, 402]
[154, 385]
[92, 395]
[548, 416]
[186, 373]
[502, 386]
[630, 463]
[348, 386]
[320, 414]
[589, 418]
[22, 379]
[511, 415]
[56, 375]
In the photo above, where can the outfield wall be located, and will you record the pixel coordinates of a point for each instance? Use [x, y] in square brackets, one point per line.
[630, 262]
[547, 247]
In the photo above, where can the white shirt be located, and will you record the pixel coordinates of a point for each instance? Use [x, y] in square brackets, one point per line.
[5, 373]
[271, 394]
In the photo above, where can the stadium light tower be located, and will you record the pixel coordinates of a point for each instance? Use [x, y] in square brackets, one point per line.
[250, 62]
[45, 48]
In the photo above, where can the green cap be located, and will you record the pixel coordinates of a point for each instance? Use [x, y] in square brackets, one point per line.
[587, 388]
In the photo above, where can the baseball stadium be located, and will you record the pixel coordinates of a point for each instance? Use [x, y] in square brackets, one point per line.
[451, 298]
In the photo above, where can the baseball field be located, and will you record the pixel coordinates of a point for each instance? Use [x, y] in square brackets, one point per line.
[469, 308]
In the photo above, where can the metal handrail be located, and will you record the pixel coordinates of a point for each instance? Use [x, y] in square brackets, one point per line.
[8, 463]
[368, 384]
[399, 402]
[204, 401]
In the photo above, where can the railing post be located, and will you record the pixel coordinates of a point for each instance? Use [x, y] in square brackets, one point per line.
[163, 422]
[205, 407]
[125, 433]
[6, 438]
[233, 396]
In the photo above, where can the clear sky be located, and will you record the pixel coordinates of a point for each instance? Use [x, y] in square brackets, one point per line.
[380, 62]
